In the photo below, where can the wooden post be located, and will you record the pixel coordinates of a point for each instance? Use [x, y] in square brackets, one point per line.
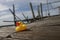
[32, 10]
[48, 9]
[38, 11]
[13, 12]
[59, 9]
[26, 18]
[41, 10]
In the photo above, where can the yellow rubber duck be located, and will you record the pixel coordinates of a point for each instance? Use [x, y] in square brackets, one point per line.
[20, 27]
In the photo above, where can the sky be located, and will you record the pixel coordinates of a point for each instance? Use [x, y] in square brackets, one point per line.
[22, 6]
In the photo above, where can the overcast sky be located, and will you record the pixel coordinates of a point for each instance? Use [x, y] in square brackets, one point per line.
[23, 6]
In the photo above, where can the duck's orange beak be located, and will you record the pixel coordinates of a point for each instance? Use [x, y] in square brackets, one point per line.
[18, 23]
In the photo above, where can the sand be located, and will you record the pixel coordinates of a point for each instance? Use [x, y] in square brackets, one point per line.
[46, 29]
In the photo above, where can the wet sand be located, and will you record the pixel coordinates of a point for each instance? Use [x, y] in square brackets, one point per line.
[47, 29]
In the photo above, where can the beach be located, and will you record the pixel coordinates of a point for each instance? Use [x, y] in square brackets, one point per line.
[46, 29]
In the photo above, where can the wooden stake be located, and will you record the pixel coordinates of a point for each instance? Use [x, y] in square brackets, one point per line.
[41, 10]
[32, 10]
[13, 12]
[26, 18]
[38, 11]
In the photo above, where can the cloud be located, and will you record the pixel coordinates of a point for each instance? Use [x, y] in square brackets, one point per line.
[21, 5]
[9, 16]
[9, 0]
[6, 1]
[5, 16]
[3, 7]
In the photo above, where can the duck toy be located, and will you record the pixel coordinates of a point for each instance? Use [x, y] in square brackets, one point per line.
[20, 27]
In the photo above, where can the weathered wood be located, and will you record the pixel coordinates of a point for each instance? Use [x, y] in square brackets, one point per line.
[38, 11]
[13, 12]
[26, 18]
[59, 9]
[32, 10]
[41, 10]
[48, 9]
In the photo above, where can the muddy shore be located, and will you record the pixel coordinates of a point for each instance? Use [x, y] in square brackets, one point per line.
[47, 29]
